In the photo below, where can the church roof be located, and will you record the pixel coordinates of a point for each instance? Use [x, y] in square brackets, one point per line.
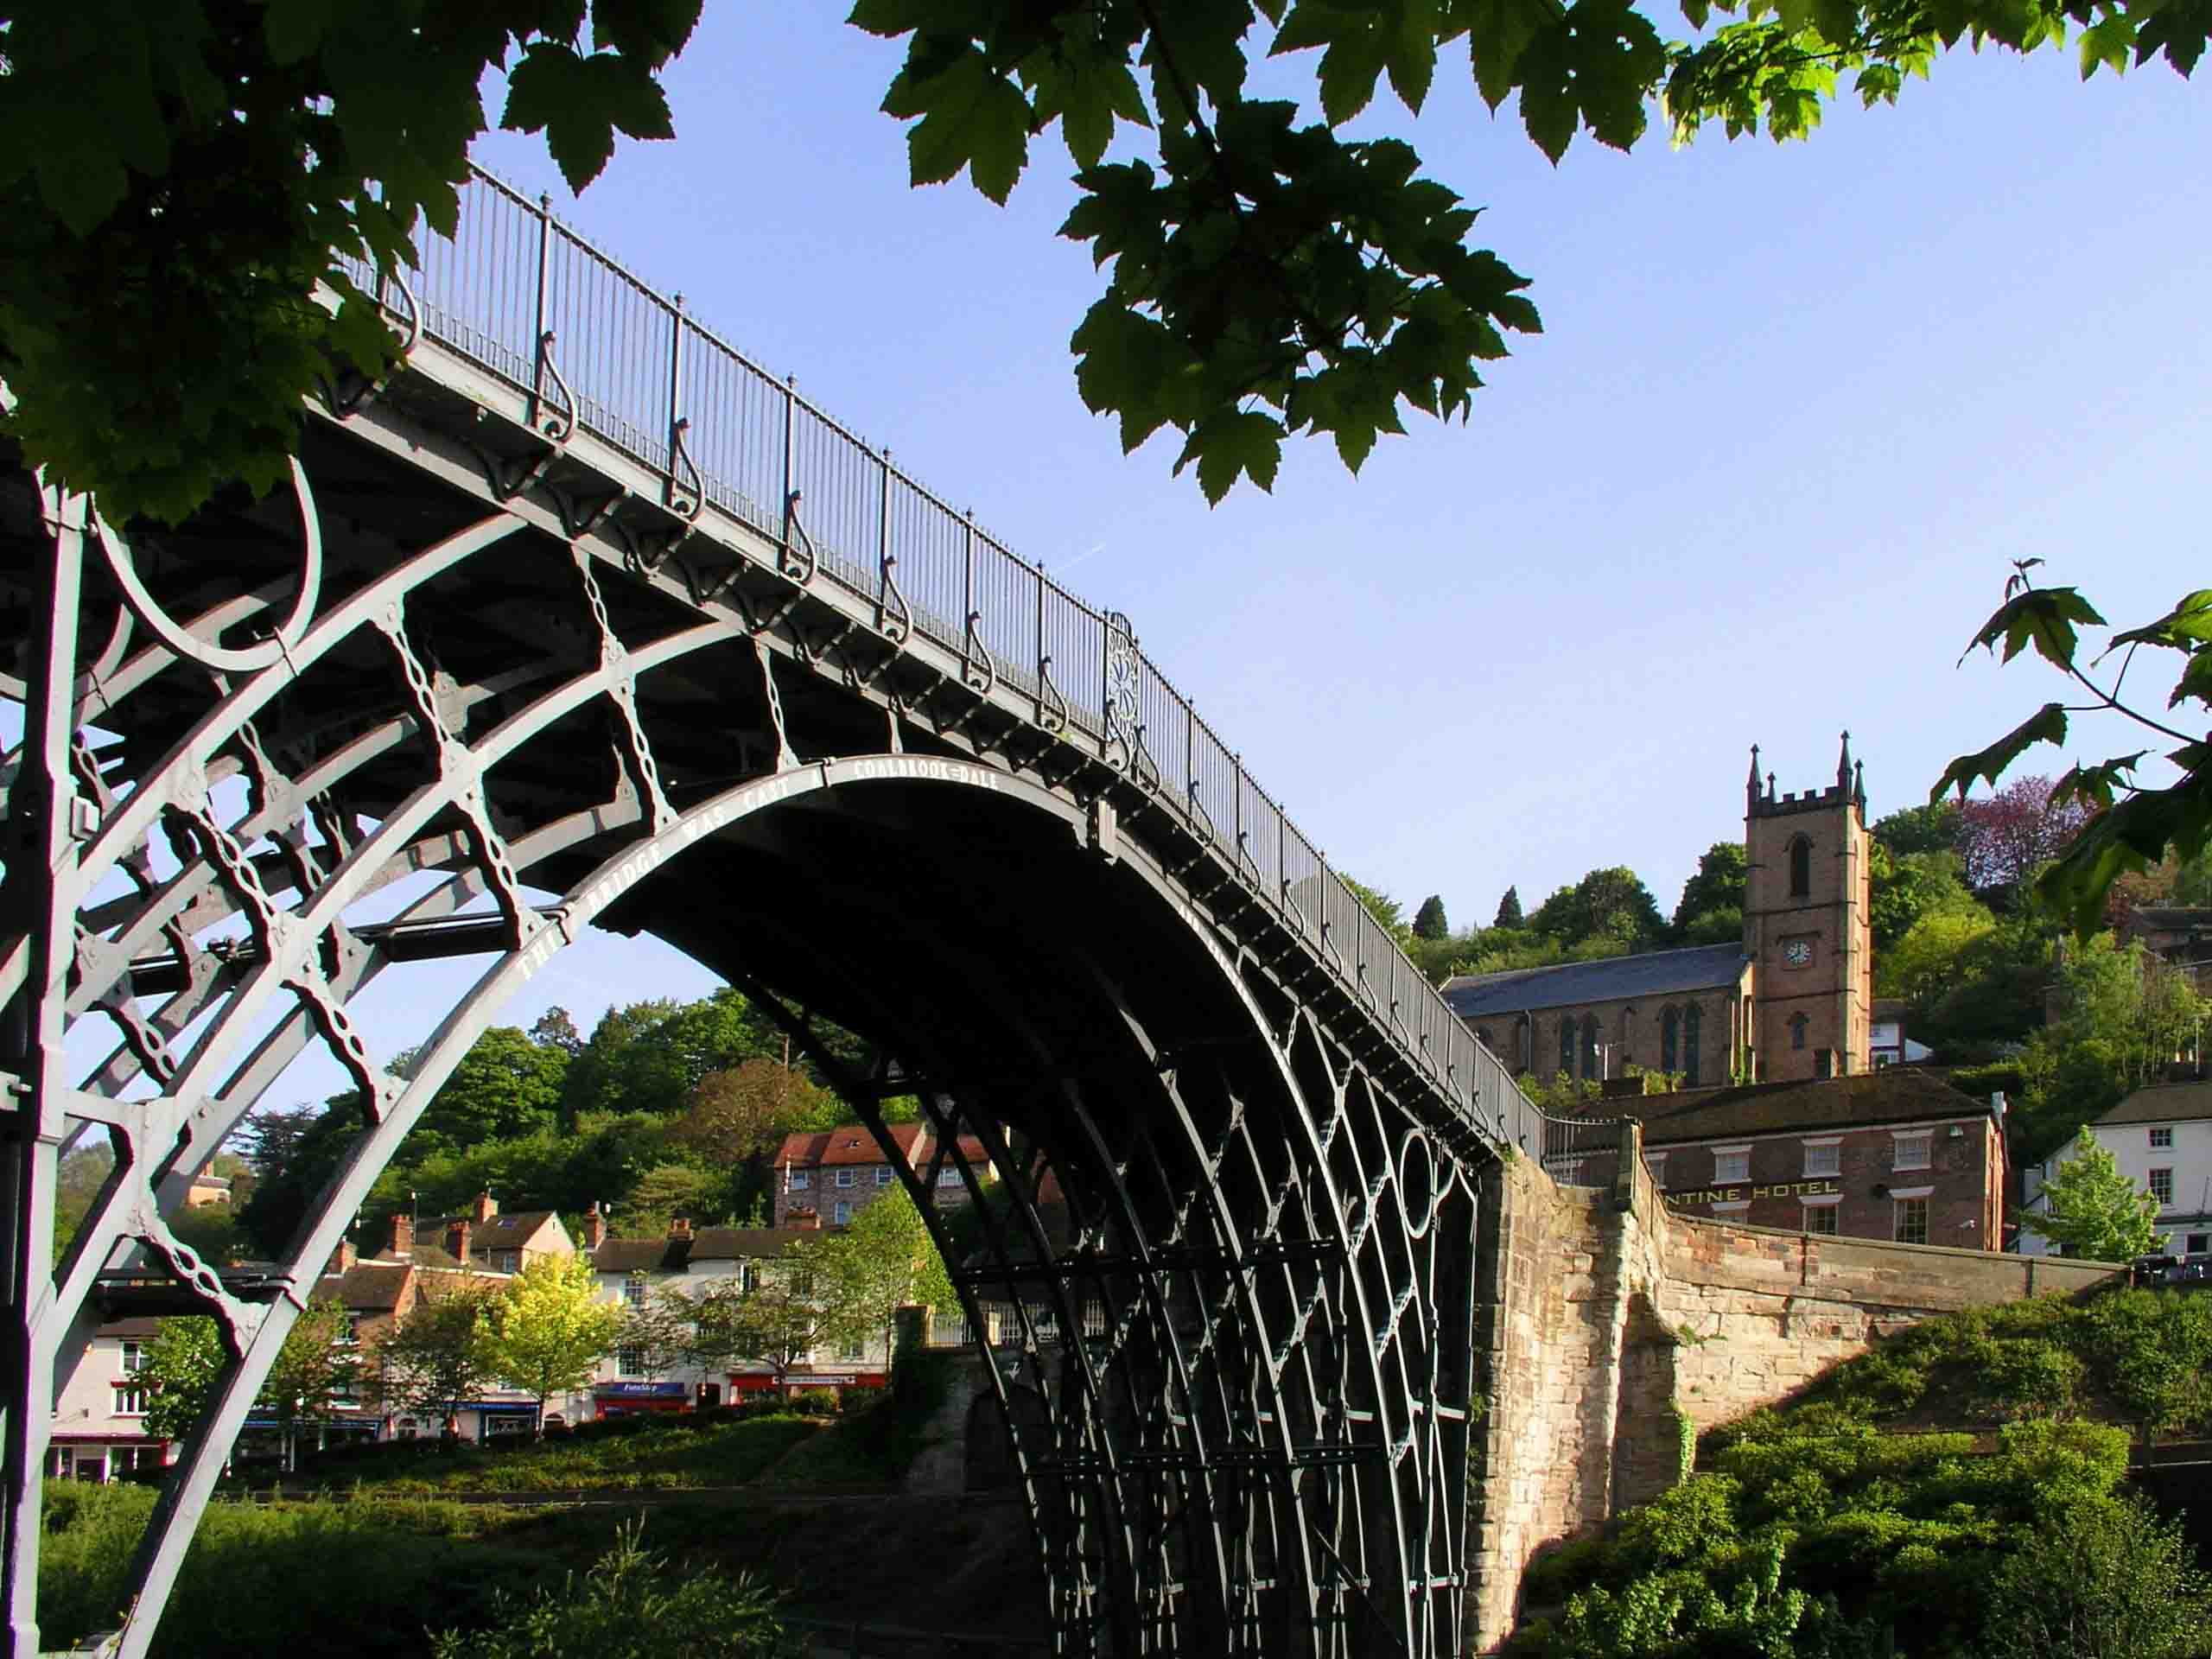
[1570, 984]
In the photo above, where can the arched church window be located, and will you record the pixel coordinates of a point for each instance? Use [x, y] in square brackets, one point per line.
[1521, 1038]
[1589, 1045]
[1670, 1033]
[1800, 867]
[1566, 1046]
[1691, 1021]
[1797, 1023]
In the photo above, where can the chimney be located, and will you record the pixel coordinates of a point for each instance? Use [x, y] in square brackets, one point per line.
[457, 1240]
[595, 1228]
[344, 1256]
[403, 1235]
[679, 1226]
[487, 1207]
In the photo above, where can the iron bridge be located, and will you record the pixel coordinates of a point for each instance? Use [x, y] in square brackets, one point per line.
[580, 619]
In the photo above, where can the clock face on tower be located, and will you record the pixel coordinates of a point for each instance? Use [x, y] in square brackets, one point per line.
[1798, 953]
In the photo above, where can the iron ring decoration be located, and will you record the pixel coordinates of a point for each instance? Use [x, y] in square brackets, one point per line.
[224, 660]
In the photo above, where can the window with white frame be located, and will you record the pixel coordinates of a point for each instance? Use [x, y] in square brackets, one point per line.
[131, 1400]
[134, 1357]
[883, 1174]
[948, 1178]
[1911, 1221]
[801, 1177]
[1912, 1151]
[852, 1350]
[1821, 1218]
[2162, 1139]
[1824, 1157]
[2162, 1187]
[845, 1177]
[1731, 1164]
[630, 1362]
[844, 1211]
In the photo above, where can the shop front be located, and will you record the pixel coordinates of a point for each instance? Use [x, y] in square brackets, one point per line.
[102, 1458]
[632, 1399]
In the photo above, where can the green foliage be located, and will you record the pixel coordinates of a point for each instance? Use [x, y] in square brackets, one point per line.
[653, 1452]
[1933, 827]
[1611, 905]
[1428, 920]
[1717, 884]
[632, 1605]
[178, 178]
[1907, 887]
[312, 1372]
[1508, 910]
[2133, 827]
[2092, 1209]
[2117, 1583]
[241, 1590]
[1383, 908]
[436, 1353]
[547, 1328]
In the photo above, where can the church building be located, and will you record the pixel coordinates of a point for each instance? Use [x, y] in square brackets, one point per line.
[1792, 1003]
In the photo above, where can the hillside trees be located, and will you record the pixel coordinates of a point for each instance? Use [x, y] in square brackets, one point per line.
[2006, 837]
[1509, 909]
[1428, 920]
[1267, 277]
[1711, 909]
[667, 1107]
[1612, 906]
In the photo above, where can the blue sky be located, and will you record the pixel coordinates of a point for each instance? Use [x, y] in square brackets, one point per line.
[1797, 409]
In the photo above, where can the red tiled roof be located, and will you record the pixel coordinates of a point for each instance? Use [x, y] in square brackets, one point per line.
[848, 1143]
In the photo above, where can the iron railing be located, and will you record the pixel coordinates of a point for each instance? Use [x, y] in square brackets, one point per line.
[1579, 1150]
[529, 300]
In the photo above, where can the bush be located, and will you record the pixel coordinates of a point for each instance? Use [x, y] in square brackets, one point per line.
[631, 1605]
[815, 1402]
[2116, 1582]
[854, 1402]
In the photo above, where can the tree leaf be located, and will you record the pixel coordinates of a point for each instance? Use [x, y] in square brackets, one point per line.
[2046, 725]
[2186, 626]
[2043, 617]
[1231, 442]
[294, 28]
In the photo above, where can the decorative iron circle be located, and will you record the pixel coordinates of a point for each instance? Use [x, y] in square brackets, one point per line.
[1419, 1191]
[189, 646]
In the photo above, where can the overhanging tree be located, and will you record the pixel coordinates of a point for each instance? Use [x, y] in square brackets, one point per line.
[179, 176]
[2135, 823]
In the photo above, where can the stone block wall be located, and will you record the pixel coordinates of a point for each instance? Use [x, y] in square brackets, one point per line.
[1608, 1325]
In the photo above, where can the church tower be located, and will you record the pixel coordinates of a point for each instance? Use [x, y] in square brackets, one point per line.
[1808, 926]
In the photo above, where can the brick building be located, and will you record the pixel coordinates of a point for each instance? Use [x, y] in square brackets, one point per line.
[1793, 1001]
[1895, 1154]
[829, 1176]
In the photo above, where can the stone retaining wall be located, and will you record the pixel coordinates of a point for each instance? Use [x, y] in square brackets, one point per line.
[1612, 1329]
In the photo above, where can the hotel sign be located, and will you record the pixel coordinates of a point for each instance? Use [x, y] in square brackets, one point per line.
[1740, 1194]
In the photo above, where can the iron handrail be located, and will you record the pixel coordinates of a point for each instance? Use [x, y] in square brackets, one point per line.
[513, 280]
